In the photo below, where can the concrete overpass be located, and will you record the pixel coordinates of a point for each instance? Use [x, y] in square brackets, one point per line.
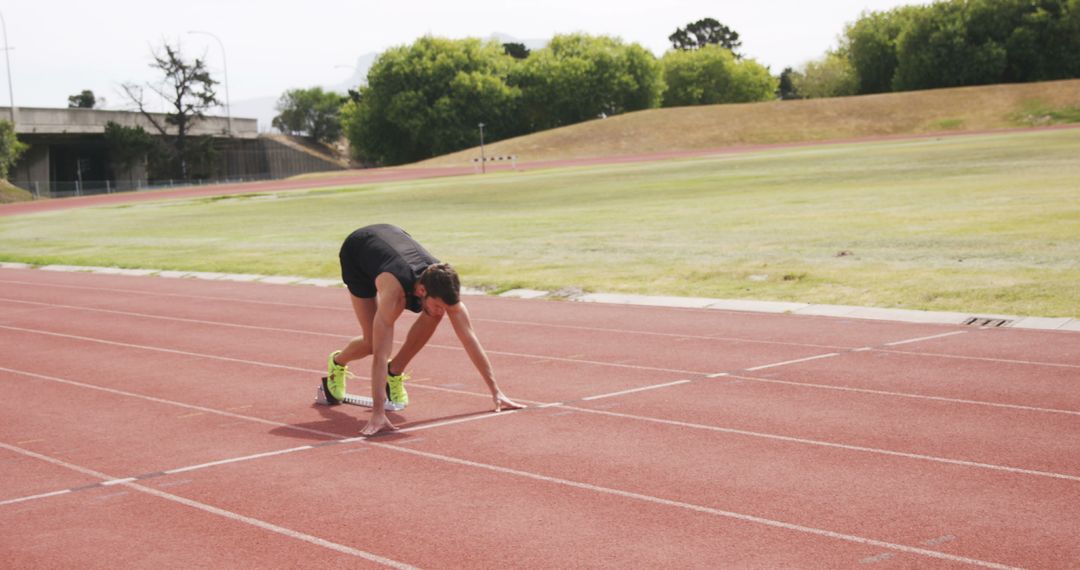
[68, 154]
[42, 121]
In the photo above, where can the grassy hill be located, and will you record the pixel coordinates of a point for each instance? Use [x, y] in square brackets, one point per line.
[965, 109]
[11, 193]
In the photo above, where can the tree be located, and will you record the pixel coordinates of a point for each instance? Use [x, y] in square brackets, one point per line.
[707, 31]
[1044, 40]
[84, 100]
[310, 112]
[189, 90]
[831, 76]
[938, 50]
[711, 75]
[10, 148]
[579, 77]
[516, 50]
[427, 99]
[127, 146]
[965, 42]
[871, 43]
[786, 89]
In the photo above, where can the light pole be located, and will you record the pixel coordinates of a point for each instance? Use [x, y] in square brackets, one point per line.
[225, 64]
[483, 163]
[7, 59]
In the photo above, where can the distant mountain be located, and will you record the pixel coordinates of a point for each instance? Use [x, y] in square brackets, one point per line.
[359, 74]
[262, 108]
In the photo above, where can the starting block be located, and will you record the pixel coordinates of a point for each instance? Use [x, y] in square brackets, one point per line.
[323, 397]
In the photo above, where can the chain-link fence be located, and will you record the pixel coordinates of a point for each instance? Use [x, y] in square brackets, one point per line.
[67, 188]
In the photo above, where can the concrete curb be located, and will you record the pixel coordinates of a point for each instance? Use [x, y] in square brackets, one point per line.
[844, 311]
[774, 307]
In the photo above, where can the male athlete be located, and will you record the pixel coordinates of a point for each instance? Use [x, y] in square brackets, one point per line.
[386, 272]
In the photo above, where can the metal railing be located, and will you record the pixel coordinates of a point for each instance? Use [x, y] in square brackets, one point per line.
[69, 188]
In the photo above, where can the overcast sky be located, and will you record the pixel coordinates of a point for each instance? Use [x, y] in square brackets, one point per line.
[61, 47]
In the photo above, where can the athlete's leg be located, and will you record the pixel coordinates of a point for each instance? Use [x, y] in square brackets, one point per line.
[419, 334]
[360, 346]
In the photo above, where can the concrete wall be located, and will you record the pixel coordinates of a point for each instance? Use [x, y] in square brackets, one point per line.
[67, 152]
[33, 166]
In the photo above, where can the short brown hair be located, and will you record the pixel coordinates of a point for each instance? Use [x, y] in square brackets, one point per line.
[441, 281]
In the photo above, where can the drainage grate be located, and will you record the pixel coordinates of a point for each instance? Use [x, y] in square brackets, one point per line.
[987, 322]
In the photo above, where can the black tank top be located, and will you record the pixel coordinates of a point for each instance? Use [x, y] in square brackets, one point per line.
[385, 248]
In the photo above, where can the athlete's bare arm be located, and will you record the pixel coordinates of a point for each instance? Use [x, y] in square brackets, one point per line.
[459, 318]
[389, 303]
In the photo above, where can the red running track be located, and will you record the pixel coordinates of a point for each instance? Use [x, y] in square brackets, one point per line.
[161, 422]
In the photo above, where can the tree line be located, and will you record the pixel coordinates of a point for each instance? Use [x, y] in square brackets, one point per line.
[948, 44]
[428, 98]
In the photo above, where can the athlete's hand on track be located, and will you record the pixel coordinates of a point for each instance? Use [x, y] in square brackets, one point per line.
[504, 403]
[377, 423]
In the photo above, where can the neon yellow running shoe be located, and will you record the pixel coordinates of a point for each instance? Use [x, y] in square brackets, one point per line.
[335, 377]
[395, 388]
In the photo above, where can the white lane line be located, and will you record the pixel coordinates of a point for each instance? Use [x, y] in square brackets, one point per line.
[749, 518]
[612, 364]
[112, 482]
[634, 390]
[660, 334]
[833, 445]
[163, 401]
[180, 319]
[796, 361]
[217, 511]
[328, 435]
[313, 371]
[524, 474]
[159, 349]
[499, 321]
[178, 295]
[925, 338]
[388, 562]
[980, 358]
[789, 439]
[34, 497]
[913, 396]
[236, 460]
[571, 360]
[700, 509]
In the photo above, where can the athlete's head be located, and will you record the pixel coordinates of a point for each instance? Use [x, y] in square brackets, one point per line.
[440, 282]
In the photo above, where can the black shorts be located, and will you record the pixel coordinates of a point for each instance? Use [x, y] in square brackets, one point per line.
[359, 283]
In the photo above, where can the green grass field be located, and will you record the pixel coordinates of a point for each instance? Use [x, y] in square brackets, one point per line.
[975, 223]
